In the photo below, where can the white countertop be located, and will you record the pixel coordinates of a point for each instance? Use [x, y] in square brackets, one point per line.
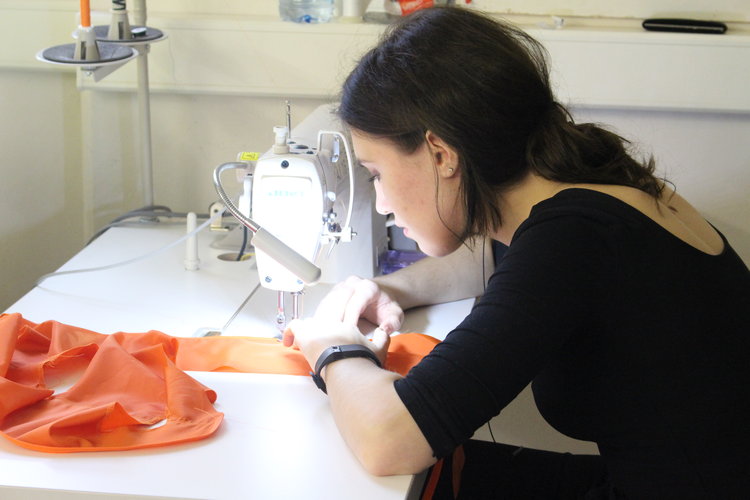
[278, 438]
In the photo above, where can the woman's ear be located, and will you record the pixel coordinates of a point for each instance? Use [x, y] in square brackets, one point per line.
[443, 155]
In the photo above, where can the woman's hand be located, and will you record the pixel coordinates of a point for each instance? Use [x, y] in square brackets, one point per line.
[357, 298]
[314, 335]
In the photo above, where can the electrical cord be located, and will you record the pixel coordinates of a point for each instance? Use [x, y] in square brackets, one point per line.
[484, 289]
[151, 211]
[243, 247]
[135, 259]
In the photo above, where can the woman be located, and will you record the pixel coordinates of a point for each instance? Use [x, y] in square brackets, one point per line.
[627, 310]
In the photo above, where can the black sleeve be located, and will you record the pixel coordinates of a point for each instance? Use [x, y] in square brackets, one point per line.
[544, 290]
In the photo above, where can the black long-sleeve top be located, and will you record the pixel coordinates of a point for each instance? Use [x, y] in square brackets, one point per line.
[631, 338]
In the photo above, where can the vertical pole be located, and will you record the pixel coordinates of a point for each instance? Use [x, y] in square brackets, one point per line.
[144, 107]
[144, 113]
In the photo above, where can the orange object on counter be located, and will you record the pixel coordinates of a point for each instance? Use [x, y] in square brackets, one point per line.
[132, 391]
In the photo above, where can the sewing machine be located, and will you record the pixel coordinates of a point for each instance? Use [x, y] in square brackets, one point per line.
[307, 192]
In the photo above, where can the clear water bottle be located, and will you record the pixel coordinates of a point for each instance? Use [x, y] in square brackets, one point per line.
[306, 11]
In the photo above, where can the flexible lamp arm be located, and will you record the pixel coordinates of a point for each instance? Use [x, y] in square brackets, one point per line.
[305, 270]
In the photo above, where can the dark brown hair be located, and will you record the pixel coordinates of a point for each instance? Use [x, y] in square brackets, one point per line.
[481, 85]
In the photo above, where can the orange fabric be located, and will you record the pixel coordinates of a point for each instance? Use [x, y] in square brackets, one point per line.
[456, 467]
[131, 381]
[266, 355]
[459, 459]
[432, 481]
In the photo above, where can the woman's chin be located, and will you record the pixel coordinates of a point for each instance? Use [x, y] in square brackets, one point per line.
[433, 250]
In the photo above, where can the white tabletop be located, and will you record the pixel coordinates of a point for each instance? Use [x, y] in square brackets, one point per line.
[278, 438]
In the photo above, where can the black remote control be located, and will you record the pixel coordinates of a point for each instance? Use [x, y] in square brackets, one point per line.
[685, 26]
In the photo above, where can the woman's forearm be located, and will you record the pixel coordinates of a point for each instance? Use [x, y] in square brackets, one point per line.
[372, 419]
[434, 280]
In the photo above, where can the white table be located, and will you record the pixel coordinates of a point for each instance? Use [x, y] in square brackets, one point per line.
[278, 438]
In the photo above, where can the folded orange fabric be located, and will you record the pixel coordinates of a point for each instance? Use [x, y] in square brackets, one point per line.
[129, 382]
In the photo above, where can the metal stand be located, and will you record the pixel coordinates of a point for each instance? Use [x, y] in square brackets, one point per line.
[99, 51]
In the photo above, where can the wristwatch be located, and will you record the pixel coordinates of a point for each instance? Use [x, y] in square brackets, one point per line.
[337, 352]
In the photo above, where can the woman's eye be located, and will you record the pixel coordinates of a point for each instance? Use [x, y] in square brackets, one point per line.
[374, 178]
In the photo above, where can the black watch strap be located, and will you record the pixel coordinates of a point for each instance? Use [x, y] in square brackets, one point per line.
[337, 352]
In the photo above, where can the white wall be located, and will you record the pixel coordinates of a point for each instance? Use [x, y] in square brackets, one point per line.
[191, 134]
[40, 177]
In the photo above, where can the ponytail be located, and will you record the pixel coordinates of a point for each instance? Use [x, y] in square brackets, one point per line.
[561, 150]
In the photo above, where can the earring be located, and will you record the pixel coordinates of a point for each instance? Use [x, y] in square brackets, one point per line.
[450, 170]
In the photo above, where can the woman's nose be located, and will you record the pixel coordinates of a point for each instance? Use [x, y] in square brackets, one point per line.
[379, 208]
[380, 204]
